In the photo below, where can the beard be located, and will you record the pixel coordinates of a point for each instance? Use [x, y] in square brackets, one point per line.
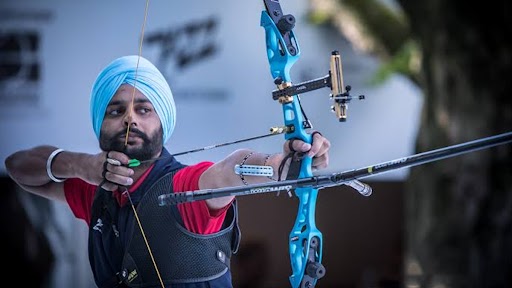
[151, 145]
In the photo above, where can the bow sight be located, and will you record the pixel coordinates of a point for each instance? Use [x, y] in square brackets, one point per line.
[340, 94]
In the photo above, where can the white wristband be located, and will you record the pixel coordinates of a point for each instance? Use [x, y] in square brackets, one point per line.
[49, 165]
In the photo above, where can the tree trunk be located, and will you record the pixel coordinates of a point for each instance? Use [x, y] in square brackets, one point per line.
[459, 211]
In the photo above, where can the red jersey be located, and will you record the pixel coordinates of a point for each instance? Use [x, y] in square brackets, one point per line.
[196, 215]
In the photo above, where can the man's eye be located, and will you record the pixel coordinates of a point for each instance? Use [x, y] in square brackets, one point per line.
[114, 112]
[144, 110]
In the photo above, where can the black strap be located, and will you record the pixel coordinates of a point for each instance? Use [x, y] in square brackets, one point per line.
[296, 162]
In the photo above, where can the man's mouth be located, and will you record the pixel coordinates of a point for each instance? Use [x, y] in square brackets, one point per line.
[132, 137]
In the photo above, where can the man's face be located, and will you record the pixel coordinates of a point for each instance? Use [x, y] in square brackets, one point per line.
[144, 139]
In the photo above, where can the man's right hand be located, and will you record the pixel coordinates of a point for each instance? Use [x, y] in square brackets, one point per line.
[112, 171]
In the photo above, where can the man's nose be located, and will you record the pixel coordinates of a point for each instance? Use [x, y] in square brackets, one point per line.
[129, 118]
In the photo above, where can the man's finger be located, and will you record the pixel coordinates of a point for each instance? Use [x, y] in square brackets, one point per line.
[300, 146]
[119, 179]
[117, 156]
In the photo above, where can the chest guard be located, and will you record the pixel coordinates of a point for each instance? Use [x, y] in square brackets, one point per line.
[180, 255]
[118, 253]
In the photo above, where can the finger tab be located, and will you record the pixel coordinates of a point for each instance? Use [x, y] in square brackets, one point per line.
[114, 162]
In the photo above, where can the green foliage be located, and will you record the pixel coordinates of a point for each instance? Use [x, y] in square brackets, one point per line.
[376, 29]
[406, 62]
[317, 17]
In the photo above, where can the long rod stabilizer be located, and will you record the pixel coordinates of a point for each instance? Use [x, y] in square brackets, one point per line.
[340, 178]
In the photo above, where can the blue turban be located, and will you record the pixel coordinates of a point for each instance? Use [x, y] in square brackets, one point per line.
[149, 81]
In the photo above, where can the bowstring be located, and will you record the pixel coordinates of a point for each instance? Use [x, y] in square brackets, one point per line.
[132, 105]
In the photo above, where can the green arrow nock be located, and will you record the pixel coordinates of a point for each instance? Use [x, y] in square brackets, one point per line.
[133, 163]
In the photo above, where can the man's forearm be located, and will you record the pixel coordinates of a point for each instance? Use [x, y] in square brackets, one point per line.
[29, 167]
